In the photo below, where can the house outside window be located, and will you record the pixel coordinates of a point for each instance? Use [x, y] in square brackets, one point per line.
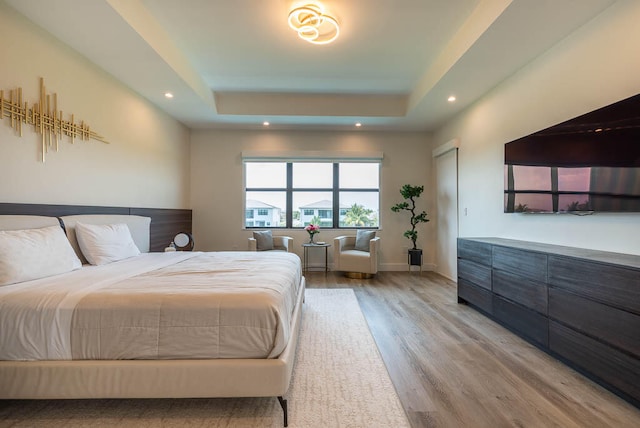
[319, 212]
[259, 214]
[295, 194]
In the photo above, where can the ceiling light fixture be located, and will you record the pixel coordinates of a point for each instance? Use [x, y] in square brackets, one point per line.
[168, 95]
[451, 99]
[358, 125]
[265, 123]
[313, 24]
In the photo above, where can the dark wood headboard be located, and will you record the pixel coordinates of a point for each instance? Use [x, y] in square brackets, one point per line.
[165, 223]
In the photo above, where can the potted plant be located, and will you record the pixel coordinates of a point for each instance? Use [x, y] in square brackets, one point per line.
[410, 193]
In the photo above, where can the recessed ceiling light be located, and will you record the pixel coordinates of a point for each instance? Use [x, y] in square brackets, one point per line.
[168, 95]
[265, 123]
[451, 98]
[358, 125]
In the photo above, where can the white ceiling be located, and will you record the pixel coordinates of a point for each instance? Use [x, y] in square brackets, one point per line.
[236, 63]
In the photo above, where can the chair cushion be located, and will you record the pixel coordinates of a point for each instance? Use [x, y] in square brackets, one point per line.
[362, 239]
[264, 240]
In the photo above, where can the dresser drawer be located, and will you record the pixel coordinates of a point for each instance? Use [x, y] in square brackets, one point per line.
[476, 273]
[530, 294]
[609, 365]
[525, 263]
[479, 252]
[530, 324]
[611, 325]
[610, 284]
[476, 296]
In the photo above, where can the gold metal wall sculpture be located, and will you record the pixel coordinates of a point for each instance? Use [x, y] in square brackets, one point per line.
[45, 118]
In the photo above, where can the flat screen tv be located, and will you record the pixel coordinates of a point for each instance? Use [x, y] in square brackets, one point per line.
[587, 164]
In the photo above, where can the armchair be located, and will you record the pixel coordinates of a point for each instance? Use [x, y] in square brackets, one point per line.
[280, 243]
[355, 263]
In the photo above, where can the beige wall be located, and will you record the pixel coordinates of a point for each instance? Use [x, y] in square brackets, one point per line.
[597, 65]
[217, 184]
[147, 162]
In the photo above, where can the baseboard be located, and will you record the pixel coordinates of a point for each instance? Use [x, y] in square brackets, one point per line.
[388, 267]
[404, 267]
[449, 278]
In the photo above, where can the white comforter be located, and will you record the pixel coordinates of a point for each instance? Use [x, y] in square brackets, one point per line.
[155, 306]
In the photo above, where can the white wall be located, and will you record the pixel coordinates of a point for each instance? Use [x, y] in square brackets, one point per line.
[147, 162]
[217, 185]
[597, 65]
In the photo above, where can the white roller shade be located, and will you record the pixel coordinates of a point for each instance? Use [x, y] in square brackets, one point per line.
[310, 156]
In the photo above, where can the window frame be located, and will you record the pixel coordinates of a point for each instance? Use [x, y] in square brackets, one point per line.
[335, 190]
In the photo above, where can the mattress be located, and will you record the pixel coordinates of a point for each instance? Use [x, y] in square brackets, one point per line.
[155, 306]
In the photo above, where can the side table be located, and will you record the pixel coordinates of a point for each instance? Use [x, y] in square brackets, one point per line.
[305, 264]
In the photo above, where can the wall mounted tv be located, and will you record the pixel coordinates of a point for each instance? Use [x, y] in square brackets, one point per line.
[587, 164]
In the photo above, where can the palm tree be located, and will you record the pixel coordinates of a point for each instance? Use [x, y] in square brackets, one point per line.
[315, 220]
[358, 215]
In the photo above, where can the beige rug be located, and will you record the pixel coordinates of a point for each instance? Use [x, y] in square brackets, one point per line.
[339, 381]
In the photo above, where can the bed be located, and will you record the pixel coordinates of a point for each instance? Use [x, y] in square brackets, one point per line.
[168, 327]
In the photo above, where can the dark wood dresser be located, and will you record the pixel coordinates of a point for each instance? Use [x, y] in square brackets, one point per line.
[581, 306]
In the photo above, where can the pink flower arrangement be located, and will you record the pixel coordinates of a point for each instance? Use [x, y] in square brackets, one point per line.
[312, 229]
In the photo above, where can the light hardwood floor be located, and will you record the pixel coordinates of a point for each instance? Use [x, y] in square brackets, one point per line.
[453, 367]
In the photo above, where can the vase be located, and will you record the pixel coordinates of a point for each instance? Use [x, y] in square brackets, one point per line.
[311, 235]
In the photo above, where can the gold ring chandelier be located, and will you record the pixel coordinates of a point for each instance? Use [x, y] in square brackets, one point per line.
[313, 24]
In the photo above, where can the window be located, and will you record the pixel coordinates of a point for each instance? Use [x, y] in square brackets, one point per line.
[248, 214]
[332, 194]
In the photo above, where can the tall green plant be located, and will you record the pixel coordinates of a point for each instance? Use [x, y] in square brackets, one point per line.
[411, 193]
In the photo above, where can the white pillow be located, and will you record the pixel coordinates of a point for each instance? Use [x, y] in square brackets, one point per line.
[105, 243]
[35, 253]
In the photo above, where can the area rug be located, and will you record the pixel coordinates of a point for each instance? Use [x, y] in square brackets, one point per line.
[339, 381]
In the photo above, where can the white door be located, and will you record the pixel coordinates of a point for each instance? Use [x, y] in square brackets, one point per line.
[446, 161]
